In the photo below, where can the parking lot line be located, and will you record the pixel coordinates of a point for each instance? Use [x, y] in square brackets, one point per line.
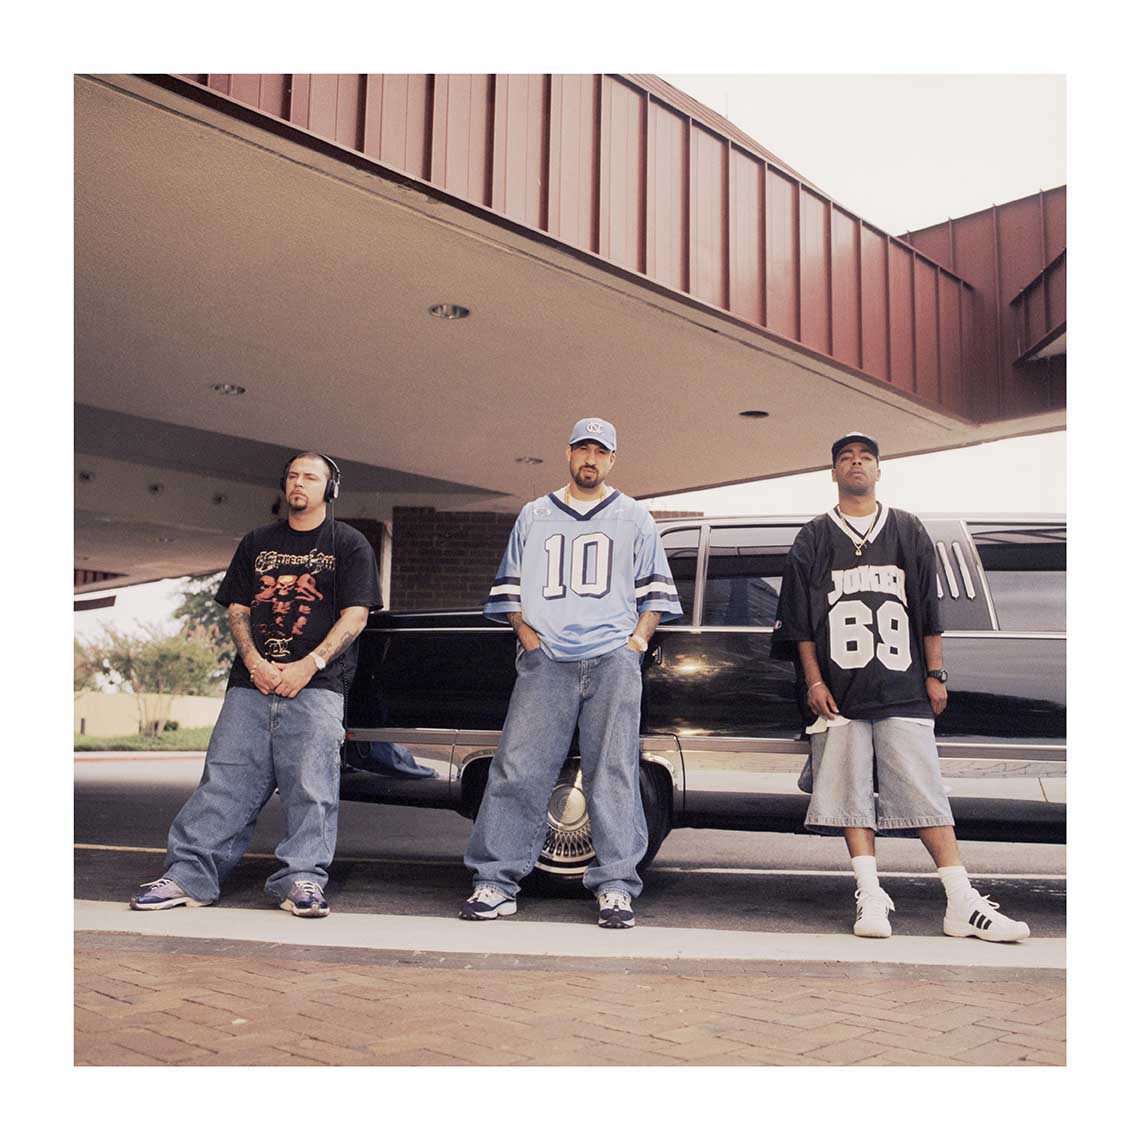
[419, 862]
[559, 939]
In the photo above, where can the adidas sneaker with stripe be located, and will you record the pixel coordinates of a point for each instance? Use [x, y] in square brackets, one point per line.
[973, 915]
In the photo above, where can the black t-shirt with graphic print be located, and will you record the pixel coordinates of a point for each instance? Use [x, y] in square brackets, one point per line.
[291, 580]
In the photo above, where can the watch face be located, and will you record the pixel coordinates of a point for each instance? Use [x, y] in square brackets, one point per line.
[938, 675]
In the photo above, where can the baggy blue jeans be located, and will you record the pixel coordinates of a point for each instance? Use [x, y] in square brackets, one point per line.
[260, 743]
[602, 696]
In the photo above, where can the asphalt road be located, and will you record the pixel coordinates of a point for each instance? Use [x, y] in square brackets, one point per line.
[395, 860]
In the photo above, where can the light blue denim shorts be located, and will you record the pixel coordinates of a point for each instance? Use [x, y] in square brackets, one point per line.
[897, 755]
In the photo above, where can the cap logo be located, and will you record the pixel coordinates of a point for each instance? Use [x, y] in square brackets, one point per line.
[593, 425]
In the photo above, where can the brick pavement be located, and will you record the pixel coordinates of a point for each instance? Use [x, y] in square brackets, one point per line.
[155, 1001]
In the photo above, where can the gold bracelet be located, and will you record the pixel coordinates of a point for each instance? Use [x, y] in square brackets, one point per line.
[813, 685]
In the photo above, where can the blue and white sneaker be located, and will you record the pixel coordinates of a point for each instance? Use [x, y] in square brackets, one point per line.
[615, 910]
[162, 894]
[306, 900]
[488, 902]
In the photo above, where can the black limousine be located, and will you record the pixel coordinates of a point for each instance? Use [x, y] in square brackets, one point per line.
[722, 724]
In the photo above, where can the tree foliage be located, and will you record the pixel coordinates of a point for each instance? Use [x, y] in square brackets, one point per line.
[199, 613]
[153, 666]
[88, 666]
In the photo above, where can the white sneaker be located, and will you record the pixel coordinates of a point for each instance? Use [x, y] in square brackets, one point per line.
[871, 908]
[488, 902]
[972, 915]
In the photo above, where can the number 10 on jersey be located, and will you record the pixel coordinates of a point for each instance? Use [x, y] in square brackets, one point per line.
[591, 565]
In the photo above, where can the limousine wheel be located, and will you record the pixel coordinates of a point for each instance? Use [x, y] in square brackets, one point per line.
[568, 847]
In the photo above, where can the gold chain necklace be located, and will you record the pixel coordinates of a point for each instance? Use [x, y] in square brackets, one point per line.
[857, 539]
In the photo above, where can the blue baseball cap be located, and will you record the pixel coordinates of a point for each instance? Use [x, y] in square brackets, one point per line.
[600, 431]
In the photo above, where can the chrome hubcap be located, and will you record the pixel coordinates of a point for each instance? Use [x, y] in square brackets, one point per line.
[568, 845]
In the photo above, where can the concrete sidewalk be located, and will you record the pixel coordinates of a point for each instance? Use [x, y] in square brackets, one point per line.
[154, 999]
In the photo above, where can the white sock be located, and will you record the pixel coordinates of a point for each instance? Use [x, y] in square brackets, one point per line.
[954, 881]
[866, 873]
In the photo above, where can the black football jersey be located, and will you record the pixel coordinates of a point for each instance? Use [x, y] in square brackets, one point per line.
[866, 604]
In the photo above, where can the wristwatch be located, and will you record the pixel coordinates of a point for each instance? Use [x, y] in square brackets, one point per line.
[938, 675]
[321, 662]
[639, 641]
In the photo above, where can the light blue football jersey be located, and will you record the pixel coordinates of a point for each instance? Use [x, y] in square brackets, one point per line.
[581, 580]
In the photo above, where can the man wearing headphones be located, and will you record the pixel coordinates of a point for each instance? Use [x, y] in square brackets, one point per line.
[297, 593]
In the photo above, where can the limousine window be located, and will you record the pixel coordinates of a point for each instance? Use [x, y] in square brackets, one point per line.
[1025, 569]
[681, 550]
[746, 566]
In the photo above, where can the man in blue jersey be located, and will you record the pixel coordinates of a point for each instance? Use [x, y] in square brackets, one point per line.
[584, 582]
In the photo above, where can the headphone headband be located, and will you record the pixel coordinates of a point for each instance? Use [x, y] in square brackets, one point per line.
[332, 487]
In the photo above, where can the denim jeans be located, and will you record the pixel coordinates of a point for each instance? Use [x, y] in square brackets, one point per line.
[602, 696]
[260, 743]
[901, 753]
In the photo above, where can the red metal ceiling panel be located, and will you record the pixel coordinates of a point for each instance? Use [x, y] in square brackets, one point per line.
[667, 198]
[746, 211]
[573, 213]
[875, 326]
[653, 183]
[815, 283]
[461, 135]
[520, 172]
[781, 242]
[322, 105]
[1055, 296]
[623, 181]
[273, 95]
[950, 343]
[845, 288]
[708, 207]
[900, 269]
[299, 100]
[926, 341]
[405, 113]
[1055, 226]
[975, 253]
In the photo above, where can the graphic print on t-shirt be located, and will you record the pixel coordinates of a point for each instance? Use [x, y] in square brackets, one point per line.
[287, 591]
[861, 627]
[865, 605]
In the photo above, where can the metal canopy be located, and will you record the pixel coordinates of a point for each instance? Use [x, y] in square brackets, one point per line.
[211, 251]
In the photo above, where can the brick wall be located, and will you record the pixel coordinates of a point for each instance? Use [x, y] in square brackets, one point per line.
[448, 559]
[445, 559]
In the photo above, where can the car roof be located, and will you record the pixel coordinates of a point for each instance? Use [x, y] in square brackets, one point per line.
[1030, 517]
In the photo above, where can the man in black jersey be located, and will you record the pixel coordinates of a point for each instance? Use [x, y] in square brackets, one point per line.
[297, 593]
[859, 611]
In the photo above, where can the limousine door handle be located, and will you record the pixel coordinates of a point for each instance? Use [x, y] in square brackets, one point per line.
[656, 655]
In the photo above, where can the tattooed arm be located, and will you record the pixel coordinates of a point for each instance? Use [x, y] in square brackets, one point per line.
[526, 635]
[297, 674]
[264, 674]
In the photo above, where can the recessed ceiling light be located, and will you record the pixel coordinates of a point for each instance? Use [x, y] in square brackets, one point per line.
[228, 389]
[449, 312]
[752, 413]
[529, 460]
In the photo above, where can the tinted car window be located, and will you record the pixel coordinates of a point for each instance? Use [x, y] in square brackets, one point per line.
[1025, 569]
[681, 550]
[746, 566]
